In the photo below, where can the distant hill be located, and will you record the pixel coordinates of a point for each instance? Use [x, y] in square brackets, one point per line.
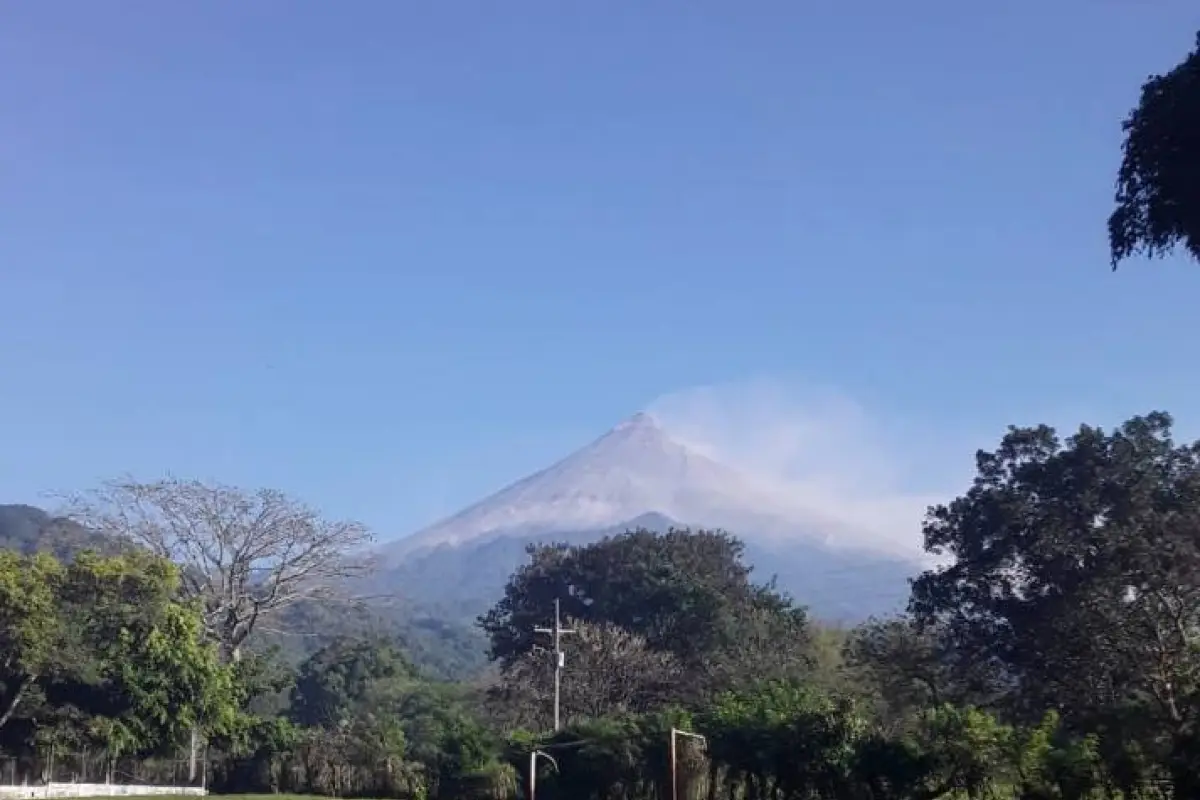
[28, 530]
[434, 642]
[439, 647]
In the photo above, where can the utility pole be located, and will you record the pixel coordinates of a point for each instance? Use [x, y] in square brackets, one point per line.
[558, 631]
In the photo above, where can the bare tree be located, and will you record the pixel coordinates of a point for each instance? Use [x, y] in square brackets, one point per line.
[609, 670]
[245, 555]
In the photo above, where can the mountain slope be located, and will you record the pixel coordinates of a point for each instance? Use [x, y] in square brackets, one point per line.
[636, 475]
[633, 470]
[28, 530]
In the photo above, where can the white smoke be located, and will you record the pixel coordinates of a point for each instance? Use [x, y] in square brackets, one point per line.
[825, 453]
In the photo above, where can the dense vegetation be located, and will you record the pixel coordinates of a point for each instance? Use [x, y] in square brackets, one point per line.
[1053, 655]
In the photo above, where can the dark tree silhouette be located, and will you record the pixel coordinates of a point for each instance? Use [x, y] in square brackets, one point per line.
[1158, 185]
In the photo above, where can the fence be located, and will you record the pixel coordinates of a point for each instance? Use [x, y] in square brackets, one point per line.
[93, 774]
[95, 790]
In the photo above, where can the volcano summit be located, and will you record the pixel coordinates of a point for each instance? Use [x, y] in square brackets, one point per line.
[637, 475]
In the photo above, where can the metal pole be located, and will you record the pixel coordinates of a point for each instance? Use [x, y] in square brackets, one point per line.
[558, 664]
[558, 631]
[673, 756]
[193, 748]
[671, 751]
[533, 770]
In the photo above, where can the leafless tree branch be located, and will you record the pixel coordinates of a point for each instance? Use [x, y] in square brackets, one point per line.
[246, 555]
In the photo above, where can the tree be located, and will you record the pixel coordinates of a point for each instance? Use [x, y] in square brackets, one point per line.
[971, 750]
[107, 651]
[133, 655]
[1158, 185]
[345, 678]
[900, 669]
[617, 757]
[245, 555]
[771, 640]
[787, 735]
[30, 625]
[687, 593]
[166, 681]
[365, 697]
[1074, 575]
[610, 672]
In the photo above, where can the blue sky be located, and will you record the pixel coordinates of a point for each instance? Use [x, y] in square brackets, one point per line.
[388, 256]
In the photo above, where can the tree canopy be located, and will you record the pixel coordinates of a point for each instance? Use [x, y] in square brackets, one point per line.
[345, 677]
[103, 651]
[686, 593]
[1158, 184]
[1073, 582]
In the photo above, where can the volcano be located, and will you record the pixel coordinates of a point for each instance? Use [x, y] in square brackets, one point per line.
[637, 476]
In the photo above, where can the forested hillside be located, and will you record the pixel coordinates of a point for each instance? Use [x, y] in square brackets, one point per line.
[28, 529]
[439, 646]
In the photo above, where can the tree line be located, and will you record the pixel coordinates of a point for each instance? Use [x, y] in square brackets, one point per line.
[1052, 654]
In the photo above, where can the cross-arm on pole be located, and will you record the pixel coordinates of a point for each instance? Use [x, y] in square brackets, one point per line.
[557, 632]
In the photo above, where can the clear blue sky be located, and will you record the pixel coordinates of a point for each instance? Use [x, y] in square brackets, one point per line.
[388, 255]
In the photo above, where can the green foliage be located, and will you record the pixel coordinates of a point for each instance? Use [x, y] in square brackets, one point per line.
[440, 648]
[346, 678]
[612, 757]
[362, 721]
[173, 679]
[970, 747]
[786, 735]
[1076, 576]
[99, 652]
[30, 627]
[686, 593]
[1158, 202]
